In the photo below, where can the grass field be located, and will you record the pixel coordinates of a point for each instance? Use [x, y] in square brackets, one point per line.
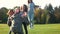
[38, 29]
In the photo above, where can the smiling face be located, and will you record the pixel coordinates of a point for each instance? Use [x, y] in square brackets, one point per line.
[10, 12]
[17, 10]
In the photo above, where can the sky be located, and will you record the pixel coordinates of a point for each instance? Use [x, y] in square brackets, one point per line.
[42, 3]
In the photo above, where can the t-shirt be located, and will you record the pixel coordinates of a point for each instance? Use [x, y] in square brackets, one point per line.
[31, 7]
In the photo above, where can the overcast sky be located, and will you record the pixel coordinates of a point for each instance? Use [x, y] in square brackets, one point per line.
[42, 3]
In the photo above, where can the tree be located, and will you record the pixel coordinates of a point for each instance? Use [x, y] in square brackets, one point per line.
[46, 15]
[37, 15]
[57, 14]
[49, 14]
[3, 15]
[50, 8]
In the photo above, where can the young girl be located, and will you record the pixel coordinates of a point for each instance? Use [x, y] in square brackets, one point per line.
[16, 26]
[9, 22]
[25, 19]
[31, 6]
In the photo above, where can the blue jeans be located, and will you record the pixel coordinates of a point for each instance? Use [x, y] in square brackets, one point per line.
[31, 18]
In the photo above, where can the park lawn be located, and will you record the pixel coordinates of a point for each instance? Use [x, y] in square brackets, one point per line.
[38, 29]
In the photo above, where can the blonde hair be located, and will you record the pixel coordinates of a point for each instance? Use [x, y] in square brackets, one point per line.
[8, 13]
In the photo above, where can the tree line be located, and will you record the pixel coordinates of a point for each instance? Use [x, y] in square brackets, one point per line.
[42, 16]
[47, 15]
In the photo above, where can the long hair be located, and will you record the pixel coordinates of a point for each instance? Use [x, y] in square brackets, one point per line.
[26, 9]
[11, 10]
[29, 1]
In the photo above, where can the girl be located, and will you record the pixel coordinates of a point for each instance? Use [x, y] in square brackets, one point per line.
[10, 13]
[16, 26]
[31, 6]
[25, 20]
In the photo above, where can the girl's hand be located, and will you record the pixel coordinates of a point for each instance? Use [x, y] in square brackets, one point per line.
[24, 14]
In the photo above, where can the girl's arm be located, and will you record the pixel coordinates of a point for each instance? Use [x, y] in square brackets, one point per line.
[24, 14]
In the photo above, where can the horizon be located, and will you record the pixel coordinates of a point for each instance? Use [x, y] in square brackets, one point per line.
[42, 3]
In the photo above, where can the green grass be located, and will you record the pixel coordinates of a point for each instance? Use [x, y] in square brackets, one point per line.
[38, 29]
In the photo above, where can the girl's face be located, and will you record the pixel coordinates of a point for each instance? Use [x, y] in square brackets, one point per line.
[17, 10]
[30, 1]
[11, 13]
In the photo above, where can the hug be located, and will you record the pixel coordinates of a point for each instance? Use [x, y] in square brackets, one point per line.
[16, 18]
[21, 16]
